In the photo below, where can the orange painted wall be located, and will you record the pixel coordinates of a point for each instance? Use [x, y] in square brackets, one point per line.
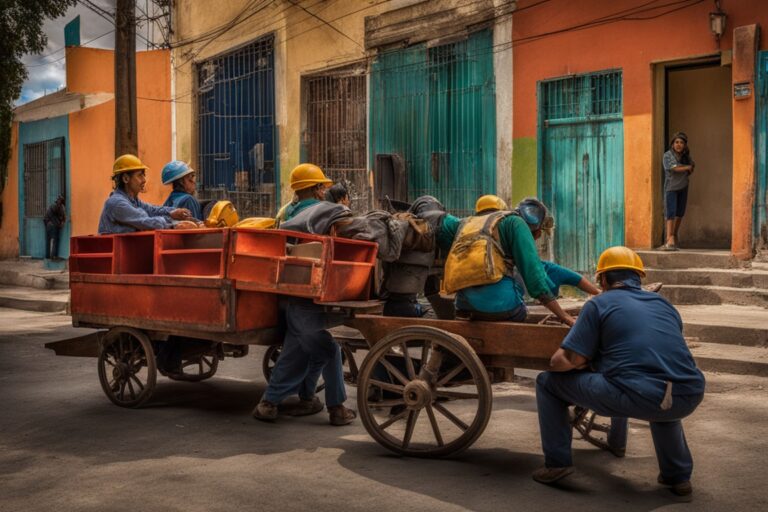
[632, 46]
[9, 228]
[92, 131]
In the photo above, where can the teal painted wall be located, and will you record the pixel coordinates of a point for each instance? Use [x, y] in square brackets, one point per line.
[436, 107]
[32, 231]
[761, 147]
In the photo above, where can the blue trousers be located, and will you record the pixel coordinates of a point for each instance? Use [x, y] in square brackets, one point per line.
[308, 351]
[555, 391]
[52, 241]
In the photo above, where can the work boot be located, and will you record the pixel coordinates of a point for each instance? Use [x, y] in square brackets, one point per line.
[547, 475]
[340, 415]
[682, 489]
[301, 407]
[265, 411]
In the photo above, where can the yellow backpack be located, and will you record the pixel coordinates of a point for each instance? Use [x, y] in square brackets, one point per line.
[476, 257]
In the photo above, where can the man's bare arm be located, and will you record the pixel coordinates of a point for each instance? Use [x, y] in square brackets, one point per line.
[564, 360]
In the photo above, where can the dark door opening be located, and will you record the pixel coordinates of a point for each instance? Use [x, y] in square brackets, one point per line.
[699, 104]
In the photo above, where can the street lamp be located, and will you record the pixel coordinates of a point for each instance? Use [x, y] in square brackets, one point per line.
[717, 21]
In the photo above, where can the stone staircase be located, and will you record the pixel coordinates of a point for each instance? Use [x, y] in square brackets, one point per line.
[27, 285]
[723, 303]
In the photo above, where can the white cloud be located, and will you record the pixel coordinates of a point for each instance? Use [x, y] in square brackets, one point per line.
[47, 71]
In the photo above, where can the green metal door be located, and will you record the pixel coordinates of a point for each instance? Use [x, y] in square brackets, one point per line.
[581, 165]
[761, 145]
[436, 108]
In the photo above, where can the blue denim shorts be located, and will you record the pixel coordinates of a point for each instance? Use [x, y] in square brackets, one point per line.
[674, 203]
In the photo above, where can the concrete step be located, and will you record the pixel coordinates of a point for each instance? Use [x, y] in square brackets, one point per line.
[33, 299]
[726, 324]
[32, 274]
[735, 278]
[716, 357]
[695, 294]
[688, 258]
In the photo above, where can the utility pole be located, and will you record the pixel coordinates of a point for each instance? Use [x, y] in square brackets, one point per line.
[126, 137]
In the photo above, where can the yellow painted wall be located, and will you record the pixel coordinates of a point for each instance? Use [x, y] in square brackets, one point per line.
[303, 45]
[9, 228]
[92, 131]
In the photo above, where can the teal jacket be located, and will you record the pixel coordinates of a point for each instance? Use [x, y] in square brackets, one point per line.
[518, 244]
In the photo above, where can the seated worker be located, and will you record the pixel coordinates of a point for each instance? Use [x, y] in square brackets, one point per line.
[308, 348]
[183, 178]
[486, 249]
[338, 194]
[123, 212]
[630, 344]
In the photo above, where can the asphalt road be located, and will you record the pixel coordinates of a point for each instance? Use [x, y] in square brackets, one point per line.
[194, 447]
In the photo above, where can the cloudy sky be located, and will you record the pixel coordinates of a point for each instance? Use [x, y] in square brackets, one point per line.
[47, 71]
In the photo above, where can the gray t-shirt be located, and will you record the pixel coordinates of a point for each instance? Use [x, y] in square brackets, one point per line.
[673, 180]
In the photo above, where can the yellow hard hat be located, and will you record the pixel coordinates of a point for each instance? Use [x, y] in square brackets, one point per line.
[307, 175]
[620, 257]
[256, 222]
[127, 163]
[490, 202]
[223, 215]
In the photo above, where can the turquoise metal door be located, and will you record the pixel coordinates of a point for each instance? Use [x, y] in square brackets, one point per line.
[44, 181]
[436, 108]
[581, 165]
[761, 144]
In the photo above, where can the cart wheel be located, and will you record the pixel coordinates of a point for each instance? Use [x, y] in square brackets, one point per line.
[350, 365]
[273, 352]
[197, 368]
[424, 410]
[127, 369]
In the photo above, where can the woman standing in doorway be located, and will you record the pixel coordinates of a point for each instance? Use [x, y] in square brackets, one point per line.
[678, 167]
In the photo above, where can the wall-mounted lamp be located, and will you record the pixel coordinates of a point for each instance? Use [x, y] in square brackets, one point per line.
[717, 21]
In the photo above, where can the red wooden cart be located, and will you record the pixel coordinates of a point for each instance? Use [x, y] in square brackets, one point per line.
[423, 387]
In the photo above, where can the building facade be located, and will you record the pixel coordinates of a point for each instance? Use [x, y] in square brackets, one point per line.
[423, 88]
[599, 90]
[63, 143]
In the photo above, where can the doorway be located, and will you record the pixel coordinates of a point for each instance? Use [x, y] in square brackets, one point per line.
[698, 102]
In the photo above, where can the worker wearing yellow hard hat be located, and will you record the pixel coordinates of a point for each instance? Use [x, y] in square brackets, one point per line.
[123, 212]
[308, 347]
[485, 252]
[639, 367]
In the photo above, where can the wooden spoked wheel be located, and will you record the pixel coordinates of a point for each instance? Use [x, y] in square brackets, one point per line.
[423, 392]
[127, 369]
[197, 368]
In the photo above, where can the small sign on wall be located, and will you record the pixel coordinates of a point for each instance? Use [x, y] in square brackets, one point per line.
[742, 90]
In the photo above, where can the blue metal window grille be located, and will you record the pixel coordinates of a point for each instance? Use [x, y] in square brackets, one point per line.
[236, 128]
[43, 175]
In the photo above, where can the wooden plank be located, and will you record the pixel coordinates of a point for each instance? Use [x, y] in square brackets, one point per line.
[530, 341]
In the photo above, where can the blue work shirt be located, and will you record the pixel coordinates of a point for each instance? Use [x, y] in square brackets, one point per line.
[122, 214]
[179, 199]
[635, 339]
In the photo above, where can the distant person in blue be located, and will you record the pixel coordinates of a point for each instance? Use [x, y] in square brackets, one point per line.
[184, 181]
[124, 212]
[678, 167]
[624, 358]
[54, 220]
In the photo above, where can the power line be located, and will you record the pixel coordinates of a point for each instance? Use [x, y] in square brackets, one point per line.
[326, 23]
[63, 56]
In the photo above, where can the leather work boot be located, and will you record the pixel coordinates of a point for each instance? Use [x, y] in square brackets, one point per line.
[265, 411]
[340, 415]
[545, 475]
[684, 490]
[301, 407]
